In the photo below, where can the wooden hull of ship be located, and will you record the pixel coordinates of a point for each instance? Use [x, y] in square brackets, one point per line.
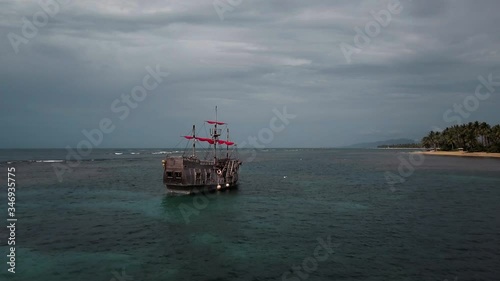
[190, 175]
[195, 189]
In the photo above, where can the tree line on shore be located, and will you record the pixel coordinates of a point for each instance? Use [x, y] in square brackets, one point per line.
[401, 145]
[472, 137]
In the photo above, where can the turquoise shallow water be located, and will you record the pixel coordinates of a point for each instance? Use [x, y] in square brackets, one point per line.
[111, 219]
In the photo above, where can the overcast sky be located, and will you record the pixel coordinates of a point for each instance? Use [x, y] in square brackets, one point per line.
[247, 57]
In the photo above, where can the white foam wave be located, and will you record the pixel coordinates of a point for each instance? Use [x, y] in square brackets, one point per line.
[161, 152]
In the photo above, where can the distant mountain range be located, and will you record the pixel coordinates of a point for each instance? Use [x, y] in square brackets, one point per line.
[377, 143]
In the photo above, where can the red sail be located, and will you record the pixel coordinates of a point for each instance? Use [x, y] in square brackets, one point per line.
[215, 122]
[210, 141]
[225, 142]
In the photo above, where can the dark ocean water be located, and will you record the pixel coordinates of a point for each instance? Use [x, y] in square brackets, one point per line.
[111, 219]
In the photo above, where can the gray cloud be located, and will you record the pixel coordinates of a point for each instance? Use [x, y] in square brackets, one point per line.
[264, 54]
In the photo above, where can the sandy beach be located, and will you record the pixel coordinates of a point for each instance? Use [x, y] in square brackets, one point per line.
[460, 154]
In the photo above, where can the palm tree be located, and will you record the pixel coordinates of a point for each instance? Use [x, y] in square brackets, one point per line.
[471, 135]
[430, 140]
[484, 129]
[447, 138]
[455, 131]
[495, 135]
[426, 142]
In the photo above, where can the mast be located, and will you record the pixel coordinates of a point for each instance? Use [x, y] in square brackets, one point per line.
[194, 142]
[215, 136]
[227, 145]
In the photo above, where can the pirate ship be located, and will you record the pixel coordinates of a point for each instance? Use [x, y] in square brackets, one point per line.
[193, 173]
